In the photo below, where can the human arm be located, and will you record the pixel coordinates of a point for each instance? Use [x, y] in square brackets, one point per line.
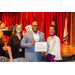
[24, 42]
[9, 46]
[2, 44]
[10, 54]
[57, 50]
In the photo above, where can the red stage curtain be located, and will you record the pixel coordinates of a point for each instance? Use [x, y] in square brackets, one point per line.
[24, 20]
[44, 19]
[61, 26]
[43, 22]
[58, 24]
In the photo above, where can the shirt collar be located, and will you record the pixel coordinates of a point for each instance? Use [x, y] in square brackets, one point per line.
[52, 36]
[36, 33]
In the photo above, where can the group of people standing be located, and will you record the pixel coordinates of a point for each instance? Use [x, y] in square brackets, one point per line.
[22, 48]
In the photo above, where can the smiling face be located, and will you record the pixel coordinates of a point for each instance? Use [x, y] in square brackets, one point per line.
[35, 26]
[52, 31]
[18, 29]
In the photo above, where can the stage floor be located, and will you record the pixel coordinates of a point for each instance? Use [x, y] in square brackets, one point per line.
[67, 49]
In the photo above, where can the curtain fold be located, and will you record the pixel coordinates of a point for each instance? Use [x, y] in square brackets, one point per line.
[44, 19]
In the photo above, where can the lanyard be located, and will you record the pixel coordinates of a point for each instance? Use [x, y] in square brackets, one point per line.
[51, 38]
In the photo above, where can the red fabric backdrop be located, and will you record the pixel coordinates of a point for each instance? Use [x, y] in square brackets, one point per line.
[44, 19]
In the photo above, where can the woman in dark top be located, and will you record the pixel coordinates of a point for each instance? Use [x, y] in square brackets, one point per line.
[2, 48]
[16, 53]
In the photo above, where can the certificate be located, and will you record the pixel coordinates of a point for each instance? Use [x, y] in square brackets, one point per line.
[40, 46]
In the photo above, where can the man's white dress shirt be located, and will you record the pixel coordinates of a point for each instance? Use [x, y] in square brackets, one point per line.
[36, 36]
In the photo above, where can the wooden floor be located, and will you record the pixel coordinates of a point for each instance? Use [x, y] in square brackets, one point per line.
[67, 49]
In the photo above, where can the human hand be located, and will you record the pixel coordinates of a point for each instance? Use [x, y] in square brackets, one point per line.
[11, 60]
[24, 60]
[4, 48]
[42, 52]
[32, 43]
[46, 53]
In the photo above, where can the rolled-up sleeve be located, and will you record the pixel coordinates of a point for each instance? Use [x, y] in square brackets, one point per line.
[24, 42]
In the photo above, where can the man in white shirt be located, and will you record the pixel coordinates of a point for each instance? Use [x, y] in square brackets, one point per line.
[28, 42]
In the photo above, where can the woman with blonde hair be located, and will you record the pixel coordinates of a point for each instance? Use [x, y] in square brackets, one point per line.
[2, 48]
[2, 26]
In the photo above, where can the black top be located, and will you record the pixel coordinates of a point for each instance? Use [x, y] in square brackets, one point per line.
[14, 43]
[2, 52]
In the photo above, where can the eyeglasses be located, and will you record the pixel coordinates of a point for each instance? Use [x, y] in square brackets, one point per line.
[35, 25]
[51, 29]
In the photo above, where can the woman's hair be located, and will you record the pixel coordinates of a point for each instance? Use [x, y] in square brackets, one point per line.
[1, 34]
[54, 28]
[2, 26]
[14, 30]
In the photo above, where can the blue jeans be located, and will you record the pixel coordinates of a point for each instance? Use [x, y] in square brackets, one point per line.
[19, 59]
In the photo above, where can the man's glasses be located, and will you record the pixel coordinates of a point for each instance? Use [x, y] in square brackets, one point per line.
[35, 25]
